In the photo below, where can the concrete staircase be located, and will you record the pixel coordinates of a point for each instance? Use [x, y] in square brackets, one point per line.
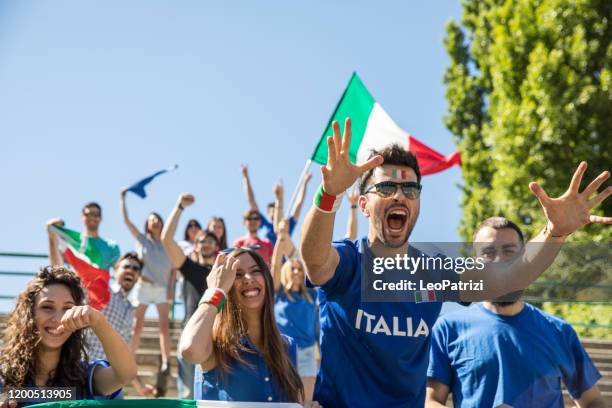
[148, 357]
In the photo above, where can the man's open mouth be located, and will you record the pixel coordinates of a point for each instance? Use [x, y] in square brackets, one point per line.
[396, 218]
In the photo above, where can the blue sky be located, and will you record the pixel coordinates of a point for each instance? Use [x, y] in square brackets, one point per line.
[95, 95]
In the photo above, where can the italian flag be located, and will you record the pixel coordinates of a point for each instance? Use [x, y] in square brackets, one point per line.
[424, 296]
[373, 128]
[85, 260]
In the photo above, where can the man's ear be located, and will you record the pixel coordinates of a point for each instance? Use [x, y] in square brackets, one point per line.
[362, 201]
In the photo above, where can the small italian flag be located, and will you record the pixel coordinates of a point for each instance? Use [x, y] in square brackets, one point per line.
[373, 128]
[85, 260]
[424, 296]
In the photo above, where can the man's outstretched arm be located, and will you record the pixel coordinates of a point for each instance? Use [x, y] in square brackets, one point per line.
[564, 215]
[339, 174]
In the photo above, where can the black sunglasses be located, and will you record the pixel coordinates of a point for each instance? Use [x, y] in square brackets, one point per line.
[253, 247]
[385, 189]
[252, 218]
[132, 267]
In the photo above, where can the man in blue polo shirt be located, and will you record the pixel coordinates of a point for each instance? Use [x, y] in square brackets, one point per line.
[507, 351]
[375, 354]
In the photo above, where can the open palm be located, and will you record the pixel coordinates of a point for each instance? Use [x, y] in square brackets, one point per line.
[340, 173]
[572, 210]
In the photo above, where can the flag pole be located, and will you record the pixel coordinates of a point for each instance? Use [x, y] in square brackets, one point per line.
[297, 188]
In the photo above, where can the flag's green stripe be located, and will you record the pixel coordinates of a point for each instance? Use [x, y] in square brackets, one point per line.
[356, 103]
[73, 238]
[417, 296]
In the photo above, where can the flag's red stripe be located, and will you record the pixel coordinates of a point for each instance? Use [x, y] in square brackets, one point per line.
[94, 280]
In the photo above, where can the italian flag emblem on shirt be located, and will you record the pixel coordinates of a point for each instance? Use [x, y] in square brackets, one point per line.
[424, 296]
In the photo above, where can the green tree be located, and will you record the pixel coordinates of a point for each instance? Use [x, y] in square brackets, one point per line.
[529, 92]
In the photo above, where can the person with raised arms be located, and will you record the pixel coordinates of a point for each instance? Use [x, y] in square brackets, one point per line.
[376, 353]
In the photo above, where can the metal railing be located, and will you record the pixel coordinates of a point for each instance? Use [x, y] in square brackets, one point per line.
[177, 303]
[25, 255]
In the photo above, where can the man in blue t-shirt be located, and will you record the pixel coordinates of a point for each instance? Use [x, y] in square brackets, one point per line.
[274, 209]
[376, 353]
[507, 351]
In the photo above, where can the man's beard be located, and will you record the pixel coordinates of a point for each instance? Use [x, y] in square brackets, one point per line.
[380, 232]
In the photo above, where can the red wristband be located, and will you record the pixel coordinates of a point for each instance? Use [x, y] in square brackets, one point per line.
[215, 297]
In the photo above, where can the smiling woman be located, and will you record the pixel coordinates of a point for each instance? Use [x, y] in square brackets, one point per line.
[234, 340]
[44, 340]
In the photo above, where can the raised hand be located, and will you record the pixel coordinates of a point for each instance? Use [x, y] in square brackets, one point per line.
[340, 173]
[353, 196]
[223, 272]
[572, 210]
[54, 221]
[307, 177]
[278, 189]
[244, 170]
[186, 200]
[78, 317]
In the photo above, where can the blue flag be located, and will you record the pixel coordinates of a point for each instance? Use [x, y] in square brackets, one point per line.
[138, 188]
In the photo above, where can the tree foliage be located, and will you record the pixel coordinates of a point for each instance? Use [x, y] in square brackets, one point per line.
[529, 92]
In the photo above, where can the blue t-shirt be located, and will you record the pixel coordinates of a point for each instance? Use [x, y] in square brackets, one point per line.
[268, 228]
[488, 360]
[250, 382]
[297, 318]
[373, 354]
[87, 394]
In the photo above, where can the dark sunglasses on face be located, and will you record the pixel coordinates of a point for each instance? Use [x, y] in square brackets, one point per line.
[252, 218]
[206, 241]
[92, 214]
[385, 189]
[253, 247]
[133, 267]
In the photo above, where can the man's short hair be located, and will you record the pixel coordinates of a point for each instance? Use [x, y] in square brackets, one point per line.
[249, 213]
[132, 256]
[92, 204]
[498, 223]
[271, 205]
[394, 155]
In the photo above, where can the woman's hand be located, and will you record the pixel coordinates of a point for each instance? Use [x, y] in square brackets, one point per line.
[223, 272]
[312, 404]
[79, 317]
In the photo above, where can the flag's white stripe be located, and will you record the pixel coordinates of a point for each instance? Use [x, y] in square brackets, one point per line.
[380, 131]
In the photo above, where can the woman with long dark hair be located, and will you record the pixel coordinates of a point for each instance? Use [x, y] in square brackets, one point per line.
[216, 225]
[44, 340]
[187, 244]
[232, 338]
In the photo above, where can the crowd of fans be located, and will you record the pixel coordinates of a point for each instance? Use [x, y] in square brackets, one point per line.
[253, 322]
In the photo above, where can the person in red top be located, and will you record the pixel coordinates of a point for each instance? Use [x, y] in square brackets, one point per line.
[251, 222]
